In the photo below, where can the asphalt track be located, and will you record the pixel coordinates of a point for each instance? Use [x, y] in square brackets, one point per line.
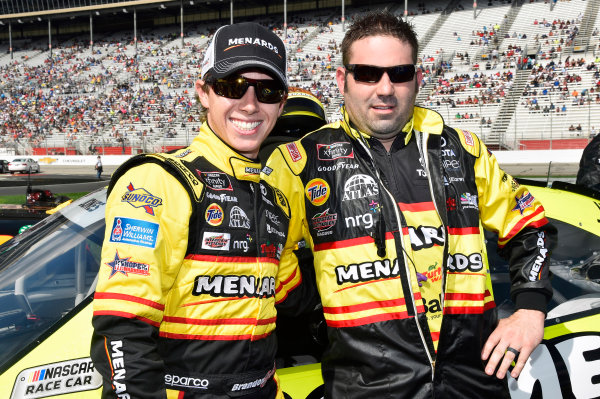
[57, 179]
[72, 179]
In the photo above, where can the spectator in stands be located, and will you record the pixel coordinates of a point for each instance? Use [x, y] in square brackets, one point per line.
[162, 312]
[353, 184]
[98, 167]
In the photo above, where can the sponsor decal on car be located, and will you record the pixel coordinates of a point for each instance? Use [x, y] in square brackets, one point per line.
[126, 266]
[468, 201]
[214, 214]
[523, 202]
[54, 379]
[238, 218]
[216, 241]
[91, 205]
[134, 231]
[360, 186]
[141, 198]
[333, 151]
[293, 151]
[217, 181]
[317, 191]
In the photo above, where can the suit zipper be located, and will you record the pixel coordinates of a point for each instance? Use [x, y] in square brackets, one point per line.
[404, 256]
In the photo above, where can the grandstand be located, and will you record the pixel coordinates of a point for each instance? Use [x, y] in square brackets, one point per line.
[87, 80]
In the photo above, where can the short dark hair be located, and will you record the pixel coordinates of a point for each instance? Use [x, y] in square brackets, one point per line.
[381, 23]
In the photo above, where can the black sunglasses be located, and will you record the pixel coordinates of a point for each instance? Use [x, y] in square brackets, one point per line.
[372, 74]
[267, 91]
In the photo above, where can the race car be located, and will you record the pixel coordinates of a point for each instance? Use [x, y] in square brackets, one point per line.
[46, 291]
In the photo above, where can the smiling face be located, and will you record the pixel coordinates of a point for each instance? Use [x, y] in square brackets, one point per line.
[243, 123]
[379, 109]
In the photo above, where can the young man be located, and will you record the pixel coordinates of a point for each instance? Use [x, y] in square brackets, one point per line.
[98, 167]
[393, 204]
[189, 277]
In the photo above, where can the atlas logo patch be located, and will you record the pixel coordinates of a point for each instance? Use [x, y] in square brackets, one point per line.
[134, 231]
[214, 215]
[294, 152]
[217, 181]
[141, 198]
[126, 266]
[360, 186]
[216, 241]
[317, 191]
[331, 152]
[238, 218]
[53, 379]
[324, 221]
[523, 202]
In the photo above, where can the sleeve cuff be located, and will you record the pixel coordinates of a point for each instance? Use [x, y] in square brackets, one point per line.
[531, 300]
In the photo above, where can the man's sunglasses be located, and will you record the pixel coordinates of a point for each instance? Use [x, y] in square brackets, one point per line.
[267, 91]
[372, 74]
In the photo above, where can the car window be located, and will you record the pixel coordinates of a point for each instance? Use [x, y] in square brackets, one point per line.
[48, 270]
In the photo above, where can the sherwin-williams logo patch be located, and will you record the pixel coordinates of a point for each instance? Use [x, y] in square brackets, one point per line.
[331, 152]
[469, 201]
[317, 191]
[55, 379]
[523, 202]
[134, 232]
[126, 266]
[141, 198]
[214, 214]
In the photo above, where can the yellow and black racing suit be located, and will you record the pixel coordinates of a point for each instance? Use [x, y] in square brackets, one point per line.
[189, 277]
[344, 203]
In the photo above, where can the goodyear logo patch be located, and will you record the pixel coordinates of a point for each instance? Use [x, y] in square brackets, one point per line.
[126, 266]
[54, 379]
[134, 232]
[141, 198]
[214, 214]
[317, 191]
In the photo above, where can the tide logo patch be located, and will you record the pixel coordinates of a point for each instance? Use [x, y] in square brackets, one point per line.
[141, 198]
[214, 214]
[317, 191]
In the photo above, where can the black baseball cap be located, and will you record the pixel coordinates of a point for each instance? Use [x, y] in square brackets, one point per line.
[245, 45]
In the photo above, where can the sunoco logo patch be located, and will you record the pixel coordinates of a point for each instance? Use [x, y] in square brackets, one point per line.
[214, 214]
[56, 379]
[317, 191]
[141, 198]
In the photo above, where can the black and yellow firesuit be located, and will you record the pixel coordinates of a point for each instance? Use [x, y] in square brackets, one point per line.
[189, 278]
[359, 208]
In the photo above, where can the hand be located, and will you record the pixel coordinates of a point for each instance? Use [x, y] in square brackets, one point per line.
[522, 331]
